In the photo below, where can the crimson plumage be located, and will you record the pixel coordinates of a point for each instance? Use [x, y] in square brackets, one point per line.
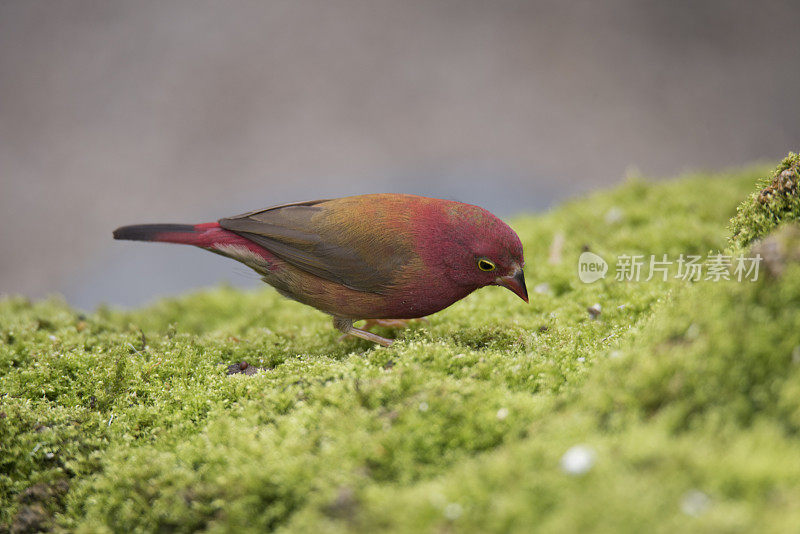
[380, 256]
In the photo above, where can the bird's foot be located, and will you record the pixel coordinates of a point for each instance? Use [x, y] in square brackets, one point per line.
[346, 327]
[391, 323]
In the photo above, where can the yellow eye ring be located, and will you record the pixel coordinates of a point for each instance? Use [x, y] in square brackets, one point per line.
[486, 265]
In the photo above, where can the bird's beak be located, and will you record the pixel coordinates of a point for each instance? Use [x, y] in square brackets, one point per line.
[516, 283]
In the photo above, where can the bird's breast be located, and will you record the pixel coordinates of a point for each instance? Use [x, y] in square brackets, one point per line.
[407, 300]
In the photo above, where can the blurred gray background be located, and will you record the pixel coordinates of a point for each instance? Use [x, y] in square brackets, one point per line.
[118, 112]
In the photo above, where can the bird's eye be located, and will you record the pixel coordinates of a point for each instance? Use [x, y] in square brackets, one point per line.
[485, 265]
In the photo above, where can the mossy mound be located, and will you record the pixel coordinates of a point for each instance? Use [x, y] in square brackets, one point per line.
[676, 402]
[776, 200]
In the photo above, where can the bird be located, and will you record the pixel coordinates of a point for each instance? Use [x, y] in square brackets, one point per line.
[380, 257]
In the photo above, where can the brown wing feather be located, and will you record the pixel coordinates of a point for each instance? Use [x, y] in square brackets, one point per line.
[304, 235]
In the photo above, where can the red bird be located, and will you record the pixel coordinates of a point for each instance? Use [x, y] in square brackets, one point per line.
[384, 256]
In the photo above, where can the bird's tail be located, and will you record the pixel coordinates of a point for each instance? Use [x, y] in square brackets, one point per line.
[210, 236]
[200, 235]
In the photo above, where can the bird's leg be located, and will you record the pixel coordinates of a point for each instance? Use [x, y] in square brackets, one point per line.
[390, 323]
[346, 327]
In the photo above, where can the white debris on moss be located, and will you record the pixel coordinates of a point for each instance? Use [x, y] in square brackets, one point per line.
[453, 511]
[542, 289]
[614, 215]
[578, 460]
[695, 503]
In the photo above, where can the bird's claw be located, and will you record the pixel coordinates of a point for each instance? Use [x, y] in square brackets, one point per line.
[391, 323]
[369, 336]
[346, 326]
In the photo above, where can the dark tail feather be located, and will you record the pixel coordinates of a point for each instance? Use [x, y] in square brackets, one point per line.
[155, 232]
[207, 235]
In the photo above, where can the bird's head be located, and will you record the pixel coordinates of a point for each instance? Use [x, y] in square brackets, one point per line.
[479, 250]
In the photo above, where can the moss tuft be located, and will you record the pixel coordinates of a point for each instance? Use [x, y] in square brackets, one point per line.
[775, 201]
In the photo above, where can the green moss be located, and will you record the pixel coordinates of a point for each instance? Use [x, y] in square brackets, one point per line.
[777, 199]
[129, 422]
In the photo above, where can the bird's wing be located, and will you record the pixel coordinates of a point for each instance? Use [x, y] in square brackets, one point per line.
[312, 237]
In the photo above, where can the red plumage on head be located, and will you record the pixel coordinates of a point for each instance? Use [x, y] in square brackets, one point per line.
[450, 239]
